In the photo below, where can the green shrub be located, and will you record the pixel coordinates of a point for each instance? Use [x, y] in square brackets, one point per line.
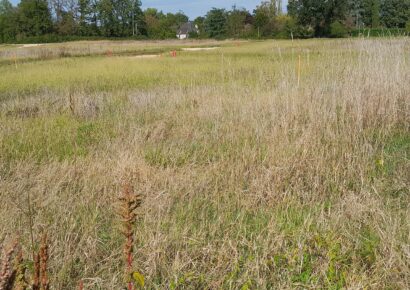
[285, 27]
[408, 26]
[338, 30]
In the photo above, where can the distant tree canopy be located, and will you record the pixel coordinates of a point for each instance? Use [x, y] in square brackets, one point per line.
[395, 13]
[216, 23]
[125, 18]
[7, 21]
[320, 16]
[160, 25]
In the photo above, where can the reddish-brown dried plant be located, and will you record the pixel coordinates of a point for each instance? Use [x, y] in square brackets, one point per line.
[40, 276]
[8, 272]
[130, 201]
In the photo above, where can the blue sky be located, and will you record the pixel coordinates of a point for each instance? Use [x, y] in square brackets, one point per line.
[194, 8]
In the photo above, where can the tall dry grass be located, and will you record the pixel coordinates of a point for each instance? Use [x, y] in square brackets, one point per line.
[250, 180]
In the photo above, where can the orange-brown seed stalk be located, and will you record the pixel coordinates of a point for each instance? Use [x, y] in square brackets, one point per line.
[129, 203]
[43, 263]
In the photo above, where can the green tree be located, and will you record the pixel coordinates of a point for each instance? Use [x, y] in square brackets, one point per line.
[236, 20]
[318, 15]
[285, 26]
[120, 17]
[85, 17]
[375, 13]
[355, 13]
[94, 18]
[395, 13]
[5, 7]
[215, 23]
[370, 12]
[34, 18]
[152, 20]
[162, 26]
[265, 17]
[262, 16]
[67, 24]
[199, 22]
[170, 23]
[293, 7]
[180, 17]
[107, 18]
[139, 27]
[7, 21]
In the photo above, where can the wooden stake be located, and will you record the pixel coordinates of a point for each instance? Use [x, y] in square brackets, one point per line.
[15, 59]
[299, 68]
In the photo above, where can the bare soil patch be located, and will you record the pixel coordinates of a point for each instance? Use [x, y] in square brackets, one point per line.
[199, 48]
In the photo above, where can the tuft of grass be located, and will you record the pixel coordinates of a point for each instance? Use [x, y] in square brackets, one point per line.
[369, 242]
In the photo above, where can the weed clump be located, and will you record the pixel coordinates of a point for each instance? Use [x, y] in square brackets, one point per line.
[129, 202]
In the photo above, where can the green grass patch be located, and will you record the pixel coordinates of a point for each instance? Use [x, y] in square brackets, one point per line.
[396, 151]
[368, 246]
[59, 138]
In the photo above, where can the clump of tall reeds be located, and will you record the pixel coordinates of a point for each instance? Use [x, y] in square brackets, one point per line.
[129, 202]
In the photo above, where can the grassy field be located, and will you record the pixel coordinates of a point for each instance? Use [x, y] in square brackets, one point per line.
[262, 165]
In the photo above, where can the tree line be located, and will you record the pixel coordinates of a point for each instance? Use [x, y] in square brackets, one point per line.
[42, 19]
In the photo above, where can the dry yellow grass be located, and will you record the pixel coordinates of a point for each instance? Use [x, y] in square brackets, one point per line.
[250, 180]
